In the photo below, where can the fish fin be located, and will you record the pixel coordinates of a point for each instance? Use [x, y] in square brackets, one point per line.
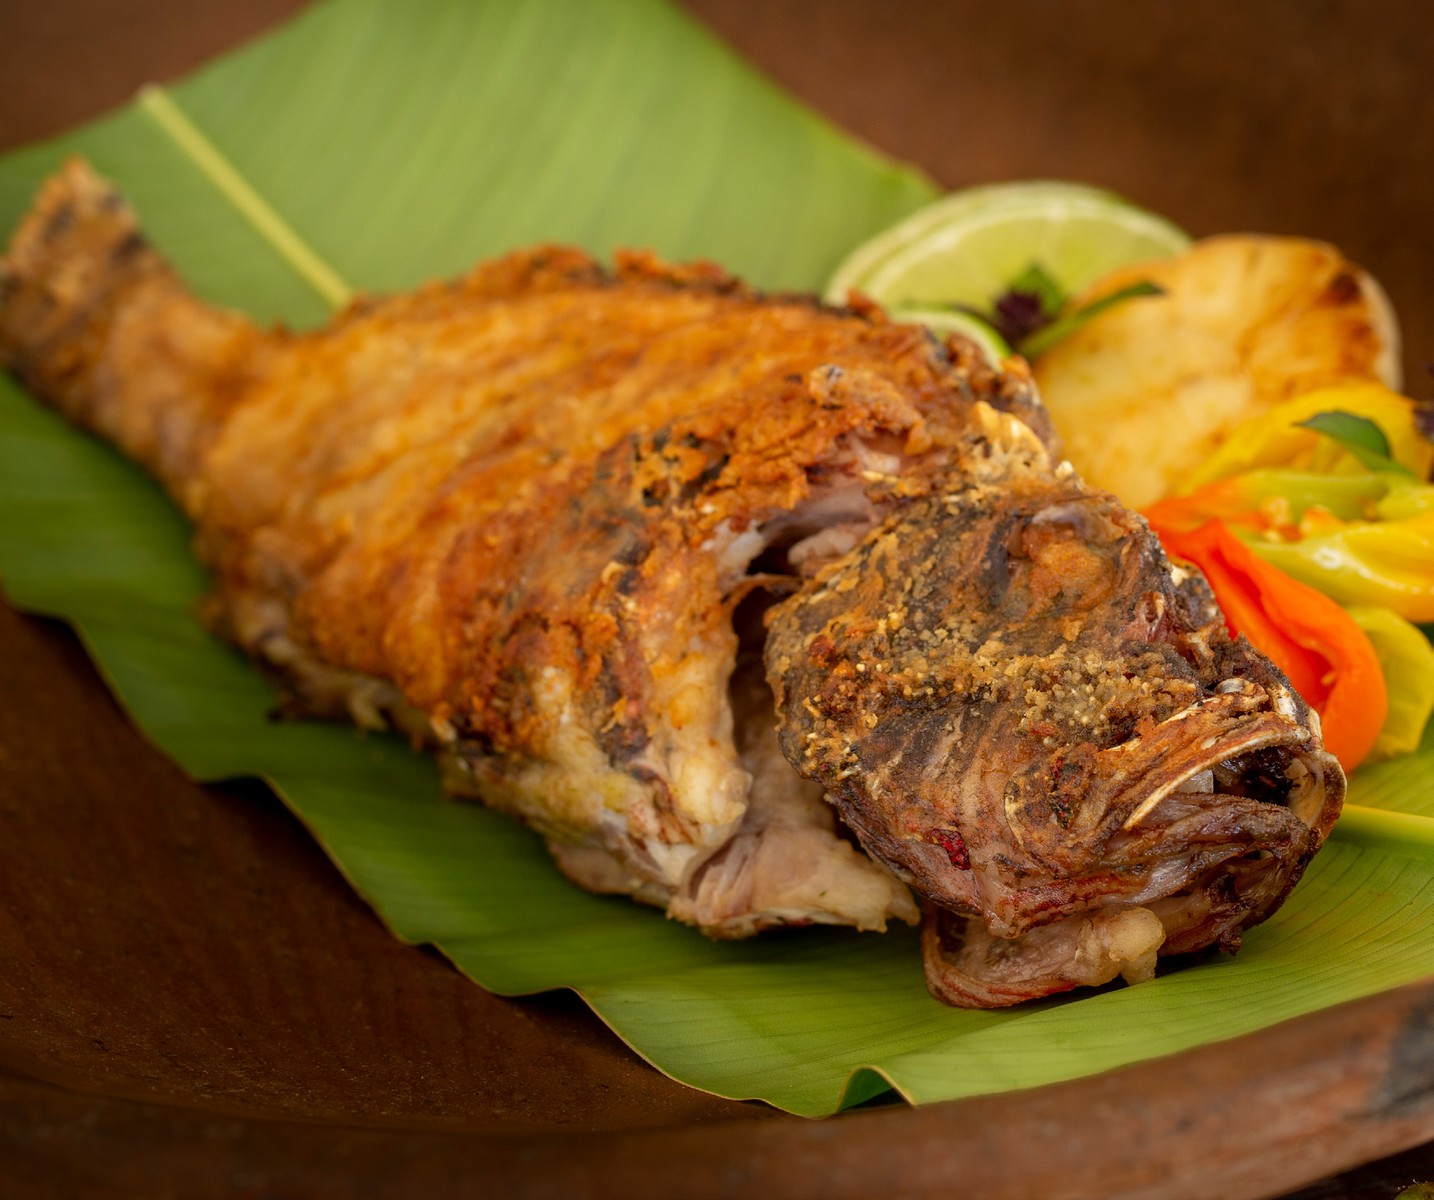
[80, 286]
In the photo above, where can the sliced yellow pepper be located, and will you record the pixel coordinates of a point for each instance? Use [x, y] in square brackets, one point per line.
[1389, 564]
[1363, 538]
[1275, 438]
[1407, 660]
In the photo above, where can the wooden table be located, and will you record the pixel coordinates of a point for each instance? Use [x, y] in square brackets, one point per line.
[192, 1002]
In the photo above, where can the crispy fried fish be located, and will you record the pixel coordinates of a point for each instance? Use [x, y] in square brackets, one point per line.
[661, 565]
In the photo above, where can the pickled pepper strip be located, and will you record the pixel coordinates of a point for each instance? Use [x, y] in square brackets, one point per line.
[1360, 539]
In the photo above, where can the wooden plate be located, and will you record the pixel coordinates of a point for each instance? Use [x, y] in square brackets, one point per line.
[192, 1002]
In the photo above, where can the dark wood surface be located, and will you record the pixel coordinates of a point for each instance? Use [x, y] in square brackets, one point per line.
[193, 1003]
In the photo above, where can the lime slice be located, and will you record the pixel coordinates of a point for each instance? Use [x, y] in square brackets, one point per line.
[943, 321]
[967, 248]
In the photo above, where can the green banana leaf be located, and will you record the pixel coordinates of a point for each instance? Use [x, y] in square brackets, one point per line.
[370, 145]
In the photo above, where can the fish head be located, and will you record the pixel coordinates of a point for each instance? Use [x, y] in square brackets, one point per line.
[1023, 709]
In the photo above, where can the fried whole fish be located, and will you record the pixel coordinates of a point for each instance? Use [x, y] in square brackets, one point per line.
[676, 572]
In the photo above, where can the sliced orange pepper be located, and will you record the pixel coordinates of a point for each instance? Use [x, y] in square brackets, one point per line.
[1237, 500]
[1224, 500]
[1325, 655]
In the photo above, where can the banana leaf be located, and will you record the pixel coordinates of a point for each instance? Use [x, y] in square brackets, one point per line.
[369, 146]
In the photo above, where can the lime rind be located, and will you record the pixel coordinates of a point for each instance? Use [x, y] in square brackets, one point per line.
[951, 209]
[966, 248]
[1075, 243]
[944, 321]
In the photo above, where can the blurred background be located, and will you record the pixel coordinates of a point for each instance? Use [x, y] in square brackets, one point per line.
[1314, 118]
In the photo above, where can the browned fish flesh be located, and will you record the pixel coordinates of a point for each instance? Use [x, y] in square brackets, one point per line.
[756, 609]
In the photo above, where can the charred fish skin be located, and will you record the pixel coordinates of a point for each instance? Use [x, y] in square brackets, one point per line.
[514, 515]
[1021, 706]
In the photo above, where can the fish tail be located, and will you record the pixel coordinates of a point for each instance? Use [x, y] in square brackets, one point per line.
[94, 323]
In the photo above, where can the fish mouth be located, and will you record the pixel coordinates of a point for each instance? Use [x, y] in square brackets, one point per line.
[1248, 810]
[1239, 765]
[1252, 817]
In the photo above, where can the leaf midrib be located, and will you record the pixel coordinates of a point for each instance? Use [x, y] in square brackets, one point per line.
[199, 150]
[1360, 822]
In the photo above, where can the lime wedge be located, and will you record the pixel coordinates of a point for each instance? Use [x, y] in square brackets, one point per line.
[945, 320]
[967, 248]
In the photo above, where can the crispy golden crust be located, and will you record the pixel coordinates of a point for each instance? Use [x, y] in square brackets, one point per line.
[507, 512]
[460, 489]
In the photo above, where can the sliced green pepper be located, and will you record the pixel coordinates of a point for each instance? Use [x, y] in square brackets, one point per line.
[1407, 660]
[1384, 563]
[1362, 538]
